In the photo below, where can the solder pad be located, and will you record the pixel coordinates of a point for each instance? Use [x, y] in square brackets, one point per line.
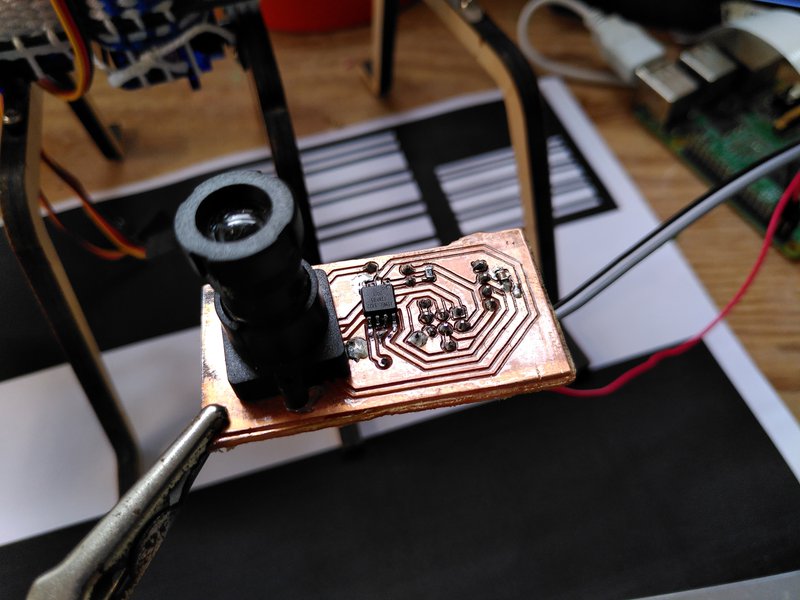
[472, 323]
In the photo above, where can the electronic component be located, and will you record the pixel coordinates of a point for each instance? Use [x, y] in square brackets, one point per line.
[156, 41]
[665, 90]
[708, 64]
[141, 42]
[760, 39]
[721, 138]
[378, 304]
[726, 128]
[481, 329]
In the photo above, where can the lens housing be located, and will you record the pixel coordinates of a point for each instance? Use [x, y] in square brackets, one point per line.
[262, 266]
[242, 232]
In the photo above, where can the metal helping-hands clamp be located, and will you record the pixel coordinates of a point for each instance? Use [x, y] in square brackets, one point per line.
[243, 233]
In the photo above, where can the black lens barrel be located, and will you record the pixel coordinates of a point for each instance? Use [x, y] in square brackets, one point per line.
[258, 274]
[243, 233]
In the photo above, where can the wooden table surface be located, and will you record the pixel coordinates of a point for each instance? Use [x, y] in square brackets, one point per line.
[169, 126]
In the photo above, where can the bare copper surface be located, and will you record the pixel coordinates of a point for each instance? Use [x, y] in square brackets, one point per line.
[515, 349]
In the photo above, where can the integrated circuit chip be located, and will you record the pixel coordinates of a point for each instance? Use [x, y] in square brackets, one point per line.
[378, 303]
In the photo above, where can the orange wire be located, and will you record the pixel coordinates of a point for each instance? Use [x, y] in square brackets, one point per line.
[111, 233]
[80, 52]
[103, 253]
[98, 251]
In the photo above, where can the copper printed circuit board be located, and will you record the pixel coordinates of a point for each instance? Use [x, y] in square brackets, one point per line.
[440, 327]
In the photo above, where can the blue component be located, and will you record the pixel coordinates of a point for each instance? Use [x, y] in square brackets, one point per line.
[148, 24]
[789, 3]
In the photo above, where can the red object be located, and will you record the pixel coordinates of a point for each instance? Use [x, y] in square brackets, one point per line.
[792, 193]
[315, 16]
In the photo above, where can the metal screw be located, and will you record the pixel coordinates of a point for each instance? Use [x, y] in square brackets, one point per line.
[12, 117]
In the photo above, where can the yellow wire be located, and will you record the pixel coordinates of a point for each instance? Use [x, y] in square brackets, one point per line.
[786, 118]
[81, 76]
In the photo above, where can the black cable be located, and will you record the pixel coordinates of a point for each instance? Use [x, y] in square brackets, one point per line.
[672, 227]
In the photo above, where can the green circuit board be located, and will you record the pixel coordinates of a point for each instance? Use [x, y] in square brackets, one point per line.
[720, 139]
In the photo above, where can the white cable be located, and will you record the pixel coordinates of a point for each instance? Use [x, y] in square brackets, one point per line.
[670, 229]
[624, 45]
[154, 58]
[538, 59]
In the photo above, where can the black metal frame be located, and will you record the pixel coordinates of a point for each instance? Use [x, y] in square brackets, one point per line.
[379, 70]
[19, 194]
[103, 136]
[257, 56]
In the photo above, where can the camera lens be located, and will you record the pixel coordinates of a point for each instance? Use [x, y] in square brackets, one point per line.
[233, 213]
[235, 225]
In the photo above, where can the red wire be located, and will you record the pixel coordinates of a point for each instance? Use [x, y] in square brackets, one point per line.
[792, 193]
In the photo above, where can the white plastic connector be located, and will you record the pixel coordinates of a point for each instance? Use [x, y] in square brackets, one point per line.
[625, 45]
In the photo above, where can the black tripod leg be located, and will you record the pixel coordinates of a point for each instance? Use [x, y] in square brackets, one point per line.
[351, 438]
[256, 55]
[504, 62]
[19, 195]
[378, 71]
[103, 136]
